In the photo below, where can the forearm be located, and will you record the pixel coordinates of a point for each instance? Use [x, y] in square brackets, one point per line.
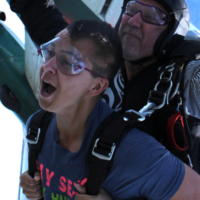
[189, 189]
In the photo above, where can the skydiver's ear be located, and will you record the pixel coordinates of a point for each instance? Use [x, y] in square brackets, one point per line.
[99, 86]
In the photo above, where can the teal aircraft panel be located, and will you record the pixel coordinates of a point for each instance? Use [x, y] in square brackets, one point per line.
[12, 61]
[12, 74]
[75, 10]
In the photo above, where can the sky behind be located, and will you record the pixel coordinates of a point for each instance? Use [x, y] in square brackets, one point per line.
[194, 7]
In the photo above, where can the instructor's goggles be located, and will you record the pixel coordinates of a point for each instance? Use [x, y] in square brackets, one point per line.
[150, 14]
[69, 59]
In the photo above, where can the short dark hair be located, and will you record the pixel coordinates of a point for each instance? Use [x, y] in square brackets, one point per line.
[107, 43]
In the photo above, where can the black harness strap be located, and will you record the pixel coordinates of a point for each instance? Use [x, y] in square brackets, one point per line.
[169, 87]
[36, 131]
[104, 145]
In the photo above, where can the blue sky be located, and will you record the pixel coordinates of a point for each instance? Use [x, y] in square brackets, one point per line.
[194, 7]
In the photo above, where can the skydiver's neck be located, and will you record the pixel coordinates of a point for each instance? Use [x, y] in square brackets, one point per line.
[133, 68]
[72, 125]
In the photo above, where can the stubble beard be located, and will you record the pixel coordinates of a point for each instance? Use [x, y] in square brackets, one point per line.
[134, 52]
[130, 52]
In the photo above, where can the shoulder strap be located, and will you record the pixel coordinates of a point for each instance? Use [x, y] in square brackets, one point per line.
[36, 131]
[104, 144]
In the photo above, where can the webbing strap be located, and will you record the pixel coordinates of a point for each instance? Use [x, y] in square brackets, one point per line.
[39, 121]
[104, 147]
[32, 156]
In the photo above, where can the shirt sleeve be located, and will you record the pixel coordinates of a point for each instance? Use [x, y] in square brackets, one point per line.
[143, 168]
[42, 22]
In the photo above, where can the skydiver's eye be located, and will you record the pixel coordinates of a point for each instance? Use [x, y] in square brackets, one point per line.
[48, 54]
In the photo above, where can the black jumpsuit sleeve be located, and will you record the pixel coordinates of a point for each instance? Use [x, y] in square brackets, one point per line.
[41, 22]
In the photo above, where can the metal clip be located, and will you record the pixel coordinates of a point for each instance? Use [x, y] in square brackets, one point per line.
[166, 94]
[35, 140]
[168, 79]
[179, 104]
[147, 110]
[170, 68]
[141, 115]
[102, 157]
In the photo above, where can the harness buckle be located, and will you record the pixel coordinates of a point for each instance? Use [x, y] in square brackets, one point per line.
[33, 136]
[141, 115]
[103, 157]
[145, 111]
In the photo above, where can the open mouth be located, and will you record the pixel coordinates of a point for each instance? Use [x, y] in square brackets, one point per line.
[47, 88]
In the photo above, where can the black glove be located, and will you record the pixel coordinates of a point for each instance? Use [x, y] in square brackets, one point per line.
[42, 22]
[9, 100]
[19, 5]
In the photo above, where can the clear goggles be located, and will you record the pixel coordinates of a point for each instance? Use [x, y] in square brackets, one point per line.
[69, 59]
[150, 14]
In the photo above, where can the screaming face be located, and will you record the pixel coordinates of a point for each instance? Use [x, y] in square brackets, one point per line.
[62, 83]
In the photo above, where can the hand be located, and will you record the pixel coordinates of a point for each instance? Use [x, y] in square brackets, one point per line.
[32, 187]
[102, 195]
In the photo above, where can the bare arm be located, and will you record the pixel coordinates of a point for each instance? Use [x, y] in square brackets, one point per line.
[190, 187]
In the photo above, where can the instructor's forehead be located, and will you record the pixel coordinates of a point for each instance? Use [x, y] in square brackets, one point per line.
[153, 3]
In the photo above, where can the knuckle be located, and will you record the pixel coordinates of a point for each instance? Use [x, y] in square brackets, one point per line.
[35, 190]
[38, 195]
[31, 183]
